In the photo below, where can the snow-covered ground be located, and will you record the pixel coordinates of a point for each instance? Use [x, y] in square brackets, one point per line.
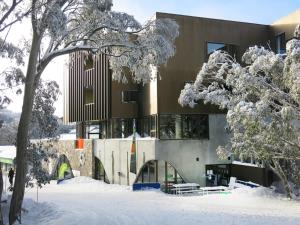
[90, 202]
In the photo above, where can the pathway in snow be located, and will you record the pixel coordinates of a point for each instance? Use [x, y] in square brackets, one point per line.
[89, 202]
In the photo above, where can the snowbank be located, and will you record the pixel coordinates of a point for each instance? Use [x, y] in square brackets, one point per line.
[85, 201]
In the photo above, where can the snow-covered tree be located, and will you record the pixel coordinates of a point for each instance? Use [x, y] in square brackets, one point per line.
[11, 77]
[39, 153]
[64, 26]
[44, 124]
[262, 97]
[11, 12]
[8, 133]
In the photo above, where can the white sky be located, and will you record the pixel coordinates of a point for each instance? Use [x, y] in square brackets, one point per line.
[240, 10]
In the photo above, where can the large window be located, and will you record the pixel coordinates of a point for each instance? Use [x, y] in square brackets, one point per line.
[88, 95]
[213, 46]
[183, 126]
[162, 172]
[148, 126]
[195, 127]
[170, 127]
[121, 128]
[280, 43]
[95, 130]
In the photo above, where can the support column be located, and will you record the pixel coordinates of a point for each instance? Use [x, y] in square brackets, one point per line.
[178, 127]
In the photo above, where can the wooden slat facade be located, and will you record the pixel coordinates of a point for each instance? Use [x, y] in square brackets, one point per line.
[78, 79]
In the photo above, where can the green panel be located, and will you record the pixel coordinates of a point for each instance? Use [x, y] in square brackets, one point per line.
[5, 160]
[62, 169]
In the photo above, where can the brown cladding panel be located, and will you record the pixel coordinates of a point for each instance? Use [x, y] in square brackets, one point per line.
[195, 32]
[118, 108]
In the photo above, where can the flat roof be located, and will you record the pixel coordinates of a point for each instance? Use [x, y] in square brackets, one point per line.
[208, 18]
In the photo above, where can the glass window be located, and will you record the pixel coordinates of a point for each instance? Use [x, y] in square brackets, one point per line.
[184, 126]
[167, 126]
[145, 129]
[121, 128]
[130, 96]
[92, 131]
[195, 127]
[88, 95]
[147, 126]
[102, 130]
[280, 43]
[153, 126]
[212, 46]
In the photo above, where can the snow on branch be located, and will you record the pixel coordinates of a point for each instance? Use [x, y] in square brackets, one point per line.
[91, 26]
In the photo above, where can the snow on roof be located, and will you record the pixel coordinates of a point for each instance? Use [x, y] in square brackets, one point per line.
[245, 164]
[68, 136]
[138, 136]
[8, 151]
[73, 131]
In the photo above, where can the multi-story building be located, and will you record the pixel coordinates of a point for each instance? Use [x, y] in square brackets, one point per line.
[178, 143]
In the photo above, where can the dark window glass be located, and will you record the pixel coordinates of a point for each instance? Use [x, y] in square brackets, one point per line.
[129, 96]
[145, 127]
[280, 44]
[167, 126]
[153, 126]
[121, 128]
[148, 126]
[232, 50]
[102, 130]
[184, 127]
[88, 95]
[217, 175]
[195, 127]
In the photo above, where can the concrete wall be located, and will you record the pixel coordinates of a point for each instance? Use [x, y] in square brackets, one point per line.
[181, 154]
[189, 157]
[115, 157]
[85, 165]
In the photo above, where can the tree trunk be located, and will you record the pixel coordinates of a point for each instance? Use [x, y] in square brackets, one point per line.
[280, 173]
[22, 135]
[1, 190]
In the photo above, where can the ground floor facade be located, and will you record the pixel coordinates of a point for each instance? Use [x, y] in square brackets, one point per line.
[164, 161]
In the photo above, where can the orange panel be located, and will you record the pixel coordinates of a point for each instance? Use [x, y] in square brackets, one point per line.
[79, 143]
